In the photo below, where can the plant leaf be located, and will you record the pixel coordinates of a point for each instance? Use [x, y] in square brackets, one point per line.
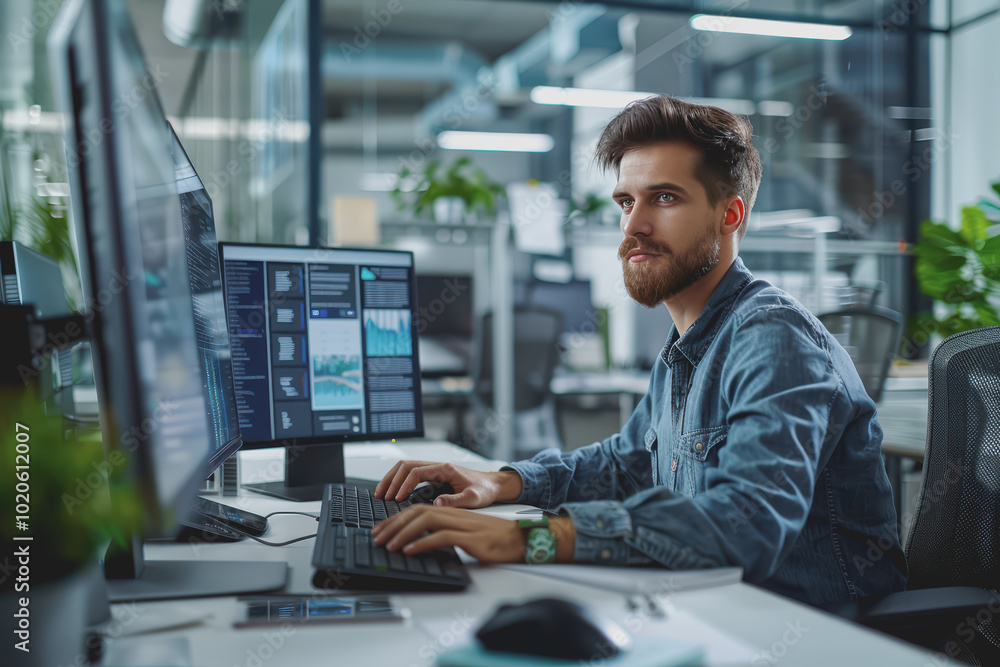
[939, 235]
[974, 224]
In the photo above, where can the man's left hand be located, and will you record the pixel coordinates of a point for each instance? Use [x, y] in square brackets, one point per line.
[486, 538]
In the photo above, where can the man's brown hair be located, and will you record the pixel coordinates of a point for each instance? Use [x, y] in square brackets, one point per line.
[730, 164]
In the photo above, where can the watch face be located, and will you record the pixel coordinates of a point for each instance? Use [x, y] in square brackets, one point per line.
[541, 546]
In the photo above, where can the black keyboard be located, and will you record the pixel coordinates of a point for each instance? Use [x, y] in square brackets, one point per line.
[345, 556]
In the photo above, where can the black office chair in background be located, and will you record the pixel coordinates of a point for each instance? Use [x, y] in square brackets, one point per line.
[953, 549]
[536, 335]
[871, 335]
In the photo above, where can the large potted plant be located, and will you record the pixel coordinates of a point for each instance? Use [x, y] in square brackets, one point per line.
[463, 189]
[960, 270]
[55, 515]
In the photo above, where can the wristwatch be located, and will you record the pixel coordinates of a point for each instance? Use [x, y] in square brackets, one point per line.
[539, 541]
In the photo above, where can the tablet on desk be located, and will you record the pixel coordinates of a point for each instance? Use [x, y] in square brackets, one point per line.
[309, 611]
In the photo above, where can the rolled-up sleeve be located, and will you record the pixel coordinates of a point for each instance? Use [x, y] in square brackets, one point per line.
[612, 469]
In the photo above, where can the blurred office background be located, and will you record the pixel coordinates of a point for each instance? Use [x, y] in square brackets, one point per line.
[302, 117]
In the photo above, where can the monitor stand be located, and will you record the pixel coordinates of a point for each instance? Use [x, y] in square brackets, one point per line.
[307, 470]
[130, 577]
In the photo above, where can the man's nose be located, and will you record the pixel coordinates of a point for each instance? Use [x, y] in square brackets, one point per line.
[637, 222]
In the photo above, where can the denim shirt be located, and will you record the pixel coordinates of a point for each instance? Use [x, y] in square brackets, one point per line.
[756, 446]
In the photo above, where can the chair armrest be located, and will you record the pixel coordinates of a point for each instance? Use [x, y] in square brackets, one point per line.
[913, 609]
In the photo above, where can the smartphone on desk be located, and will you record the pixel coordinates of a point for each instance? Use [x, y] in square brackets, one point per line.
[310, 611]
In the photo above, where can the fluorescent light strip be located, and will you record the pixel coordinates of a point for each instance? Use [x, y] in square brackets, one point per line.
[495, 141]
[768, 28]
[585, 97]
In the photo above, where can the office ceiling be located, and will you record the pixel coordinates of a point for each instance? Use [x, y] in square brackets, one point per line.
[396, 59]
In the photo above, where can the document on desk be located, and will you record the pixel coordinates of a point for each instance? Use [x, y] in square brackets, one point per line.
[635, 580]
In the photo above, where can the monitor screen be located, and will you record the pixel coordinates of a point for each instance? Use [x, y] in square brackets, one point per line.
[134, 257]
[324, 343]
[572, 299]
[211, 332]
[445, 305]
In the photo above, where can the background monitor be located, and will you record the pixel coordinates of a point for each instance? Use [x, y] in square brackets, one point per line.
[572, 299]
[148, 343]
[324, 347]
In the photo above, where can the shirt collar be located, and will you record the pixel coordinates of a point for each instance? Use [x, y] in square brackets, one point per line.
[700, 334]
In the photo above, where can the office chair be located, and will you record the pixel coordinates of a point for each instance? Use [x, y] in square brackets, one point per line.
[871, 335]
[536, 354]
[953, 549]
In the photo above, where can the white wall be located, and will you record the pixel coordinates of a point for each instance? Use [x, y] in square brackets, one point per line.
[974, 157]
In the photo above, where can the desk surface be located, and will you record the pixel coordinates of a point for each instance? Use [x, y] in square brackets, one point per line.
[741, 624]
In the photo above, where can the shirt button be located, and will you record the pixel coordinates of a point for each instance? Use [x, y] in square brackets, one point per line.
[673, 466]
[600, 523]
[699, 447]
[606, 554]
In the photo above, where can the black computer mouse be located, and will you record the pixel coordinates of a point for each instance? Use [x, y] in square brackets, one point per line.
[427, 493]
[553, 628]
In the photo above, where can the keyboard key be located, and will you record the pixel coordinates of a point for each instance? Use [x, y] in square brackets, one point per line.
[452, 569]
[380, 558]
[414, 565]
[431, 565]
[362, 556]
[396, 561]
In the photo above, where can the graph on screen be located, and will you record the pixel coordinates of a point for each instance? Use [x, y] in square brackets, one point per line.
[387, 333]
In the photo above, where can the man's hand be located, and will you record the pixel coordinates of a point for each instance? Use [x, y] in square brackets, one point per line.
[486, 538]
[472, 488]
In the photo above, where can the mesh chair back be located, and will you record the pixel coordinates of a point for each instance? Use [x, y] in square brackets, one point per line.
[955, 536]
[871, 336]
[536, 336]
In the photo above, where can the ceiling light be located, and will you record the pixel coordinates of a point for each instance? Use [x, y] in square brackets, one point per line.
[775, 108]
[769, 28]
[585, 97]
[495, 141]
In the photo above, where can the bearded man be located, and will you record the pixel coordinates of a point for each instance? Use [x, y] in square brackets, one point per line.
[756, 445]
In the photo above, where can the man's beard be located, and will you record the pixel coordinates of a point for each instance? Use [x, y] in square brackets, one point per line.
[659, 278]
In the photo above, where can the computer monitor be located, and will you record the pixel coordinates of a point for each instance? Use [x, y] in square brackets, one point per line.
[572, 299]
[324, 351]
[445, 306]
[158, 357]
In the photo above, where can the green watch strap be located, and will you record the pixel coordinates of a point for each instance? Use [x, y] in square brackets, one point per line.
[543, 522]
[541, 547]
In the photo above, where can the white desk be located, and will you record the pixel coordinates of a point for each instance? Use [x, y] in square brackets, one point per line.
[746, 621]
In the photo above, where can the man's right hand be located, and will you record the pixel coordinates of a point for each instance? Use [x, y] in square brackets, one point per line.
[472, 488]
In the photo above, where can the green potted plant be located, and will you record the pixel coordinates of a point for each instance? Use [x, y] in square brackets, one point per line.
[461, 181]
[960, 270]
[55, 515]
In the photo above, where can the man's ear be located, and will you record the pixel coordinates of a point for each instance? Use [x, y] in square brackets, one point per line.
[734, 215]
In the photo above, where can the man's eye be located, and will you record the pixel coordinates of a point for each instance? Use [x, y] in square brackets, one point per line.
[625, 203]
[666, 196]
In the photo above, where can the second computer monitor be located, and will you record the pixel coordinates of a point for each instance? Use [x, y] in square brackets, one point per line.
[324, 345]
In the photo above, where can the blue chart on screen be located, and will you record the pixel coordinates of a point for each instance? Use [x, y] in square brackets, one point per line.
[387, 333]
[337, 381]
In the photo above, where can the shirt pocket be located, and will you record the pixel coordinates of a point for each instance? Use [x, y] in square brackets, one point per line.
[699, 451]
[650, 443]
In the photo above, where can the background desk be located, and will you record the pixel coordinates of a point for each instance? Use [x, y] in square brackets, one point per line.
[744, 620]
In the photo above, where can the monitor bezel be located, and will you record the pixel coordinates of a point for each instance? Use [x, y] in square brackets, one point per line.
[349, 437]
[103, 244]
[219, 456]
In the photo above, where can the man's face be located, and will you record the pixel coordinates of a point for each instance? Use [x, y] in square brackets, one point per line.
[671, 229]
